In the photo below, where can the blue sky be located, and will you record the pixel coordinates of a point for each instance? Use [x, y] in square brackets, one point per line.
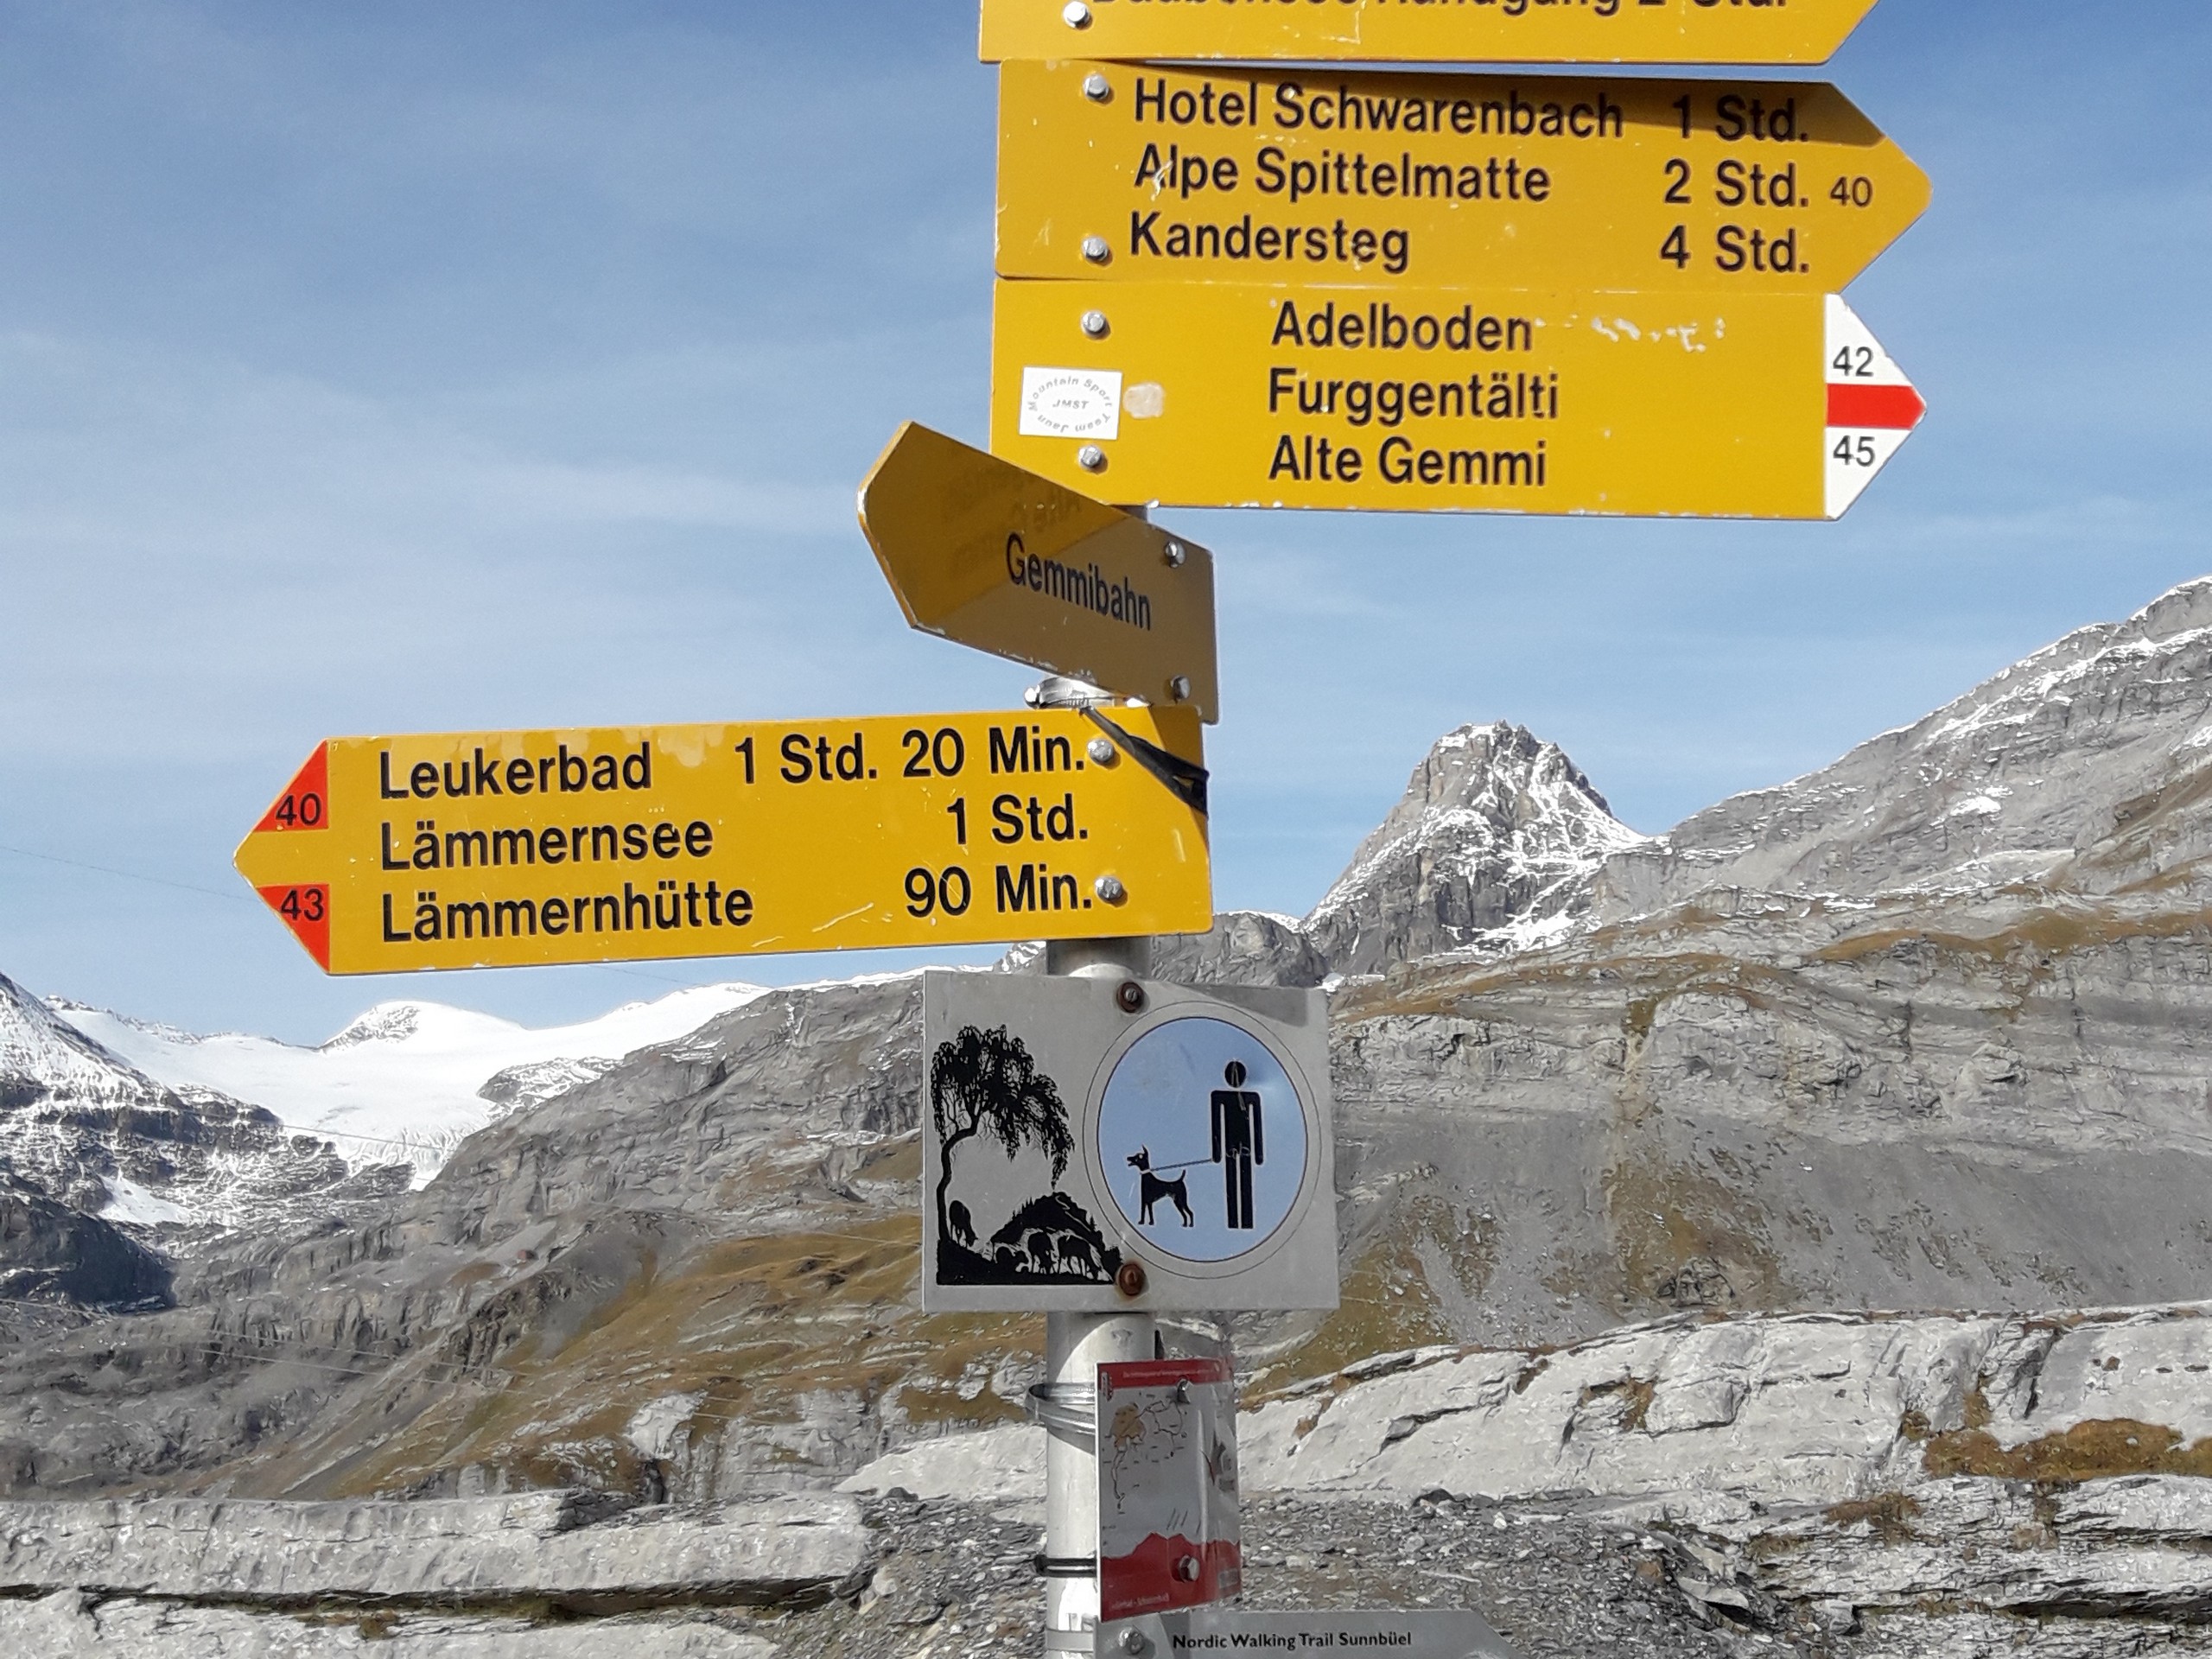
[411, 366]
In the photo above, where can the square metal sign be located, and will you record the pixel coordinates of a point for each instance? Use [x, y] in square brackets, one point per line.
[1108, 1145]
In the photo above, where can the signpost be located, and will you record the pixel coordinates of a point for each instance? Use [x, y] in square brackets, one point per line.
[982, 552]
[1111, 1144]
[1228, 394]
[490, 849]
[1126, 173]
[1394, 31]
[1222, 286]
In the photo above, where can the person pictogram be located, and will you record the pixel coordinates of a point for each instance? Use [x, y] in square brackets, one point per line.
[1239, 1142]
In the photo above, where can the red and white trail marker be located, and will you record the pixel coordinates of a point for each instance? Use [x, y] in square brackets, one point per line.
[1872, 408]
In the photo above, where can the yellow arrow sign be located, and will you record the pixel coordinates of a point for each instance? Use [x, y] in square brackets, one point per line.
[1226, 395]
[1410, 31]
[982, 552]
[1143, 174]
[492, 849]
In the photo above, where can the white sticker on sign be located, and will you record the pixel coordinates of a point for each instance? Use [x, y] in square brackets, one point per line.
[1072, 403]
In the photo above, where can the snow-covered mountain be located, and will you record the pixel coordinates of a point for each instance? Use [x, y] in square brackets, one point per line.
[89, 1143]
[407, 1082]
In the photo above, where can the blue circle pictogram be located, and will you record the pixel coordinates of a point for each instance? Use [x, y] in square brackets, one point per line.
[1202, 1139]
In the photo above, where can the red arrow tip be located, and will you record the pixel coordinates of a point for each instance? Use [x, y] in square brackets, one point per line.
[305, 803]
[306, 910]
[1875, 408]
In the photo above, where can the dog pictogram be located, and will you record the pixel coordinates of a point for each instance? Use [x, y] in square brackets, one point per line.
[1153, 1188]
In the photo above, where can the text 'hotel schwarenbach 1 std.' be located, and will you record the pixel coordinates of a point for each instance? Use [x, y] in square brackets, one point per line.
[1241, 262]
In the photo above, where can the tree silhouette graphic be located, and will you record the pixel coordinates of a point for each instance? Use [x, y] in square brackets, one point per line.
[985, 1083]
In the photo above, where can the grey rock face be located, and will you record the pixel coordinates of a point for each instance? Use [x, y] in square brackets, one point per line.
[1243, 947]
[68, 1625]
[2037, 1466]
[227, 1579]
[1490, 849]
[455, 1553]
[1246, 947]
[1981, 1102]
[50, 1253]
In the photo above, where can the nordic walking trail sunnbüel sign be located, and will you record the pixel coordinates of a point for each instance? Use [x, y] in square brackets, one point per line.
[389, 855]
[1229, 394]
[1123, 1146]
[1135, 174]
[1409, 31]
[1339, 1632]
[982, 552]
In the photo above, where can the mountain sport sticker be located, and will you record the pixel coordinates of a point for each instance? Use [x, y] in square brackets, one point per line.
[1072, 404]
[1872, 408]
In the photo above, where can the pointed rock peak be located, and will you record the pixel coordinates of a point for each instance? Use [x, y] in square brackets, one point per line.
[1489, 848]
[1501, 764]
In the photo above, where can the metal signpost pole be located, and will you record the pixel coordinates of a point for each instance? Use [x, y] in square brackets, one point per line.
[1076, 1345]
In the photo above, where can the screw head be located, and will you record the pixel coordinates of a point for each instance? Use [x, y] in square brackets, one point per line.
[1102, 751]
[1131, 1280]
[1076, 15]
[1090, 458]
[1095, 324]
[1096, 87]
[1109, 888]
[1173, 555]
[1132, 1638]
[1129, 997]
[1179, 688]
[1096, 250]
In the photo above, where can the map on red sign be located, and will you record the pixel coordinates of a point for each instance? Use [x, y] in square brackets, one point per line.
[1169, 1535]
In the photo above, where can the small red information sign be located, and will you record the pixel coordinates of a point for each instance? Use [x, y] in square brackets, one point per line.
[1169, 1531]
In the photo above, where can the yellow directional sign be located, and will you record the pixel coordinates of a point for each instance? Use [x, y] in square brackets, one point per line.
[487, 849]
[1425, 31]
[1136, 174]
[1224, 395]
[980, 551]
